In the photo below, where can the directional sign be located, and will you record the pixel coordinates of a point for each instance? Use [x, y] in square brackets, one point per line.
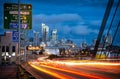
[15, 36]
[11, 16]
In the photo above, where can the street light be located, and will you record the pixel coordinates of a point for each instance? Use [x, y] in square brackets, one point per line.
[73, 46]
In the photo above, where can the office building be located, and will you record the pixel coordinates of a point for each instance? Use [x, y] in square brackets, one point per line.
[53, 39]
[45, 31]
[36, 40]
[8, 48]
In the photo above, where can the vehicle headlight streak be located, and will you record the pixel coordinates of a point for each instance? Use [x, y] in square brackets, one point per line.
[68, 71]
[59, 76]
[89, 63]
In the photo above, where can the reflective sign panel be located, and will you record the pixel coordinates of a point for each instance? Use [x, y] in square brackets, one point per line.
[11, 16]
[15, 36]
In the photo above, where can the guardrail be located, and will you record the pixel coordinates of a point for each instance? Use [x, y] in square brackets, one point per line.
[23, 74]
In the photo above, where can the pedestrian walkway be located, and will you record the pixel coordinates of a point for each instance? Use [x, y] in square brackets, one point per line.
[8, 71]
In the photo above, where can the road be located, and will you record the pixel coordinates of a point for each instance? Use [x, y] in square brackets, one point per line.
[8, 71]
[76, 69]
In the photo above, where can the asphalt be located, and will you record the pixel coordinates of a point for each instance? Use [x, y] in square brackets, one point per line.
[8, 71]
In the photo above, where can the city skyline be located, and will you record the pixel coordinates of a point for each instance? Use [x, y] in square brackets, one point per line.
[77, 20]
[59, 39]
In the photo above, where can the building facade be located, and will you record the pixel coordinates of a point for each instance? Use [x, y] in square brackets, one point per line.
[53, 39]
[36, 40]
[54, 35]
[45, 31]
[8, 48]
[107, 40]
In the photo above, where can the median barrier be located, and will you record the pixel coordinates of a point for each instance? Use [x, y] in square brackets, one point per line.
[23, 74]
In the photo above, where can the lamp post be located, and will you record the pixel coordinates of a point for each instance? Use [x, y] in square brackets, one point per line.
[19, 30]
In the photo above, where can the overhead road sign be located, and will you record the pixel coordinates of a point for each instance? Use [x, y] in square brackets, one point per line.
[11, 16]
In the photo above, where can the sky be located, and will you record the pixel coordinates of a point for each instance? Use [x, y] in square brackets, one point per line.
[77, 20]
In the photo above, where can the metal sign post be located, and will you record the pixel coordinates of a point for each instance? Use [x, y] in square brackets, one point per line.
[19, 29]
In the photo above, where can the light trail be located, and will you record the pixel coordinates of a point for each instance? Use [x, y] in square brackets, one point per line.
[93, 63]
[106, 67]
[109, 59]
[88, 63]
[59, 76]
[90, 76]
[63, 66]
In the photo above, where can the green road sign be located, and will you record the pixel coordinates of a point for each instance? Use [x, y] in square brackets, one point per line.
[11, 16]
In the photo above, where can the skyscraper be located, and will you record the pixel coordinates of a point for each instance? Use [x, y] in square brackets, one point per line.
[45, 30]
[53, 39]
[36, 41]
[54, 35]
[107, 40]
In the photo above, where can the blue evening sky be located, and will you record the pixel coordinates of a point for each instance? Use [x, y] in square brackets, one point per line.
[77, 20]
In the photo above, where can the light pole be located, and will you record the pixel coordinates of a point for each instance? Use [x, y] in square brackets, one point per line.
[25, 53]
[19, 30]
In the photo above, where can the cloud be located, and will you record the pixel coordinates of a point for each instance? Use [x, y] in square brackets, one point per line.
[83, 30]
[78, 30]
[78, 33]
[56, 18]
[96, 22]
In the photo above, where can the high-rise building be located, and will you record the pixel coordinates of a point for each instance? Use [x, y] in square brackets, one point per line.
[53, 39]
[45, 30]
[94, 42]
[84, 45]
[36, 41]
[107, 40]
[54, 35]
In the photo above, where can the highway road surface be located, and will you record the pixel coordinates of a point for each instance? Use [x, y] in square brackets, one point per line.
[53, 69]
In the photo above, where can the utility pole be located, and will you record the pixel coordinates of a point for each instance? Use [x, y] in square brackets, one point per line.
[19, 30]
